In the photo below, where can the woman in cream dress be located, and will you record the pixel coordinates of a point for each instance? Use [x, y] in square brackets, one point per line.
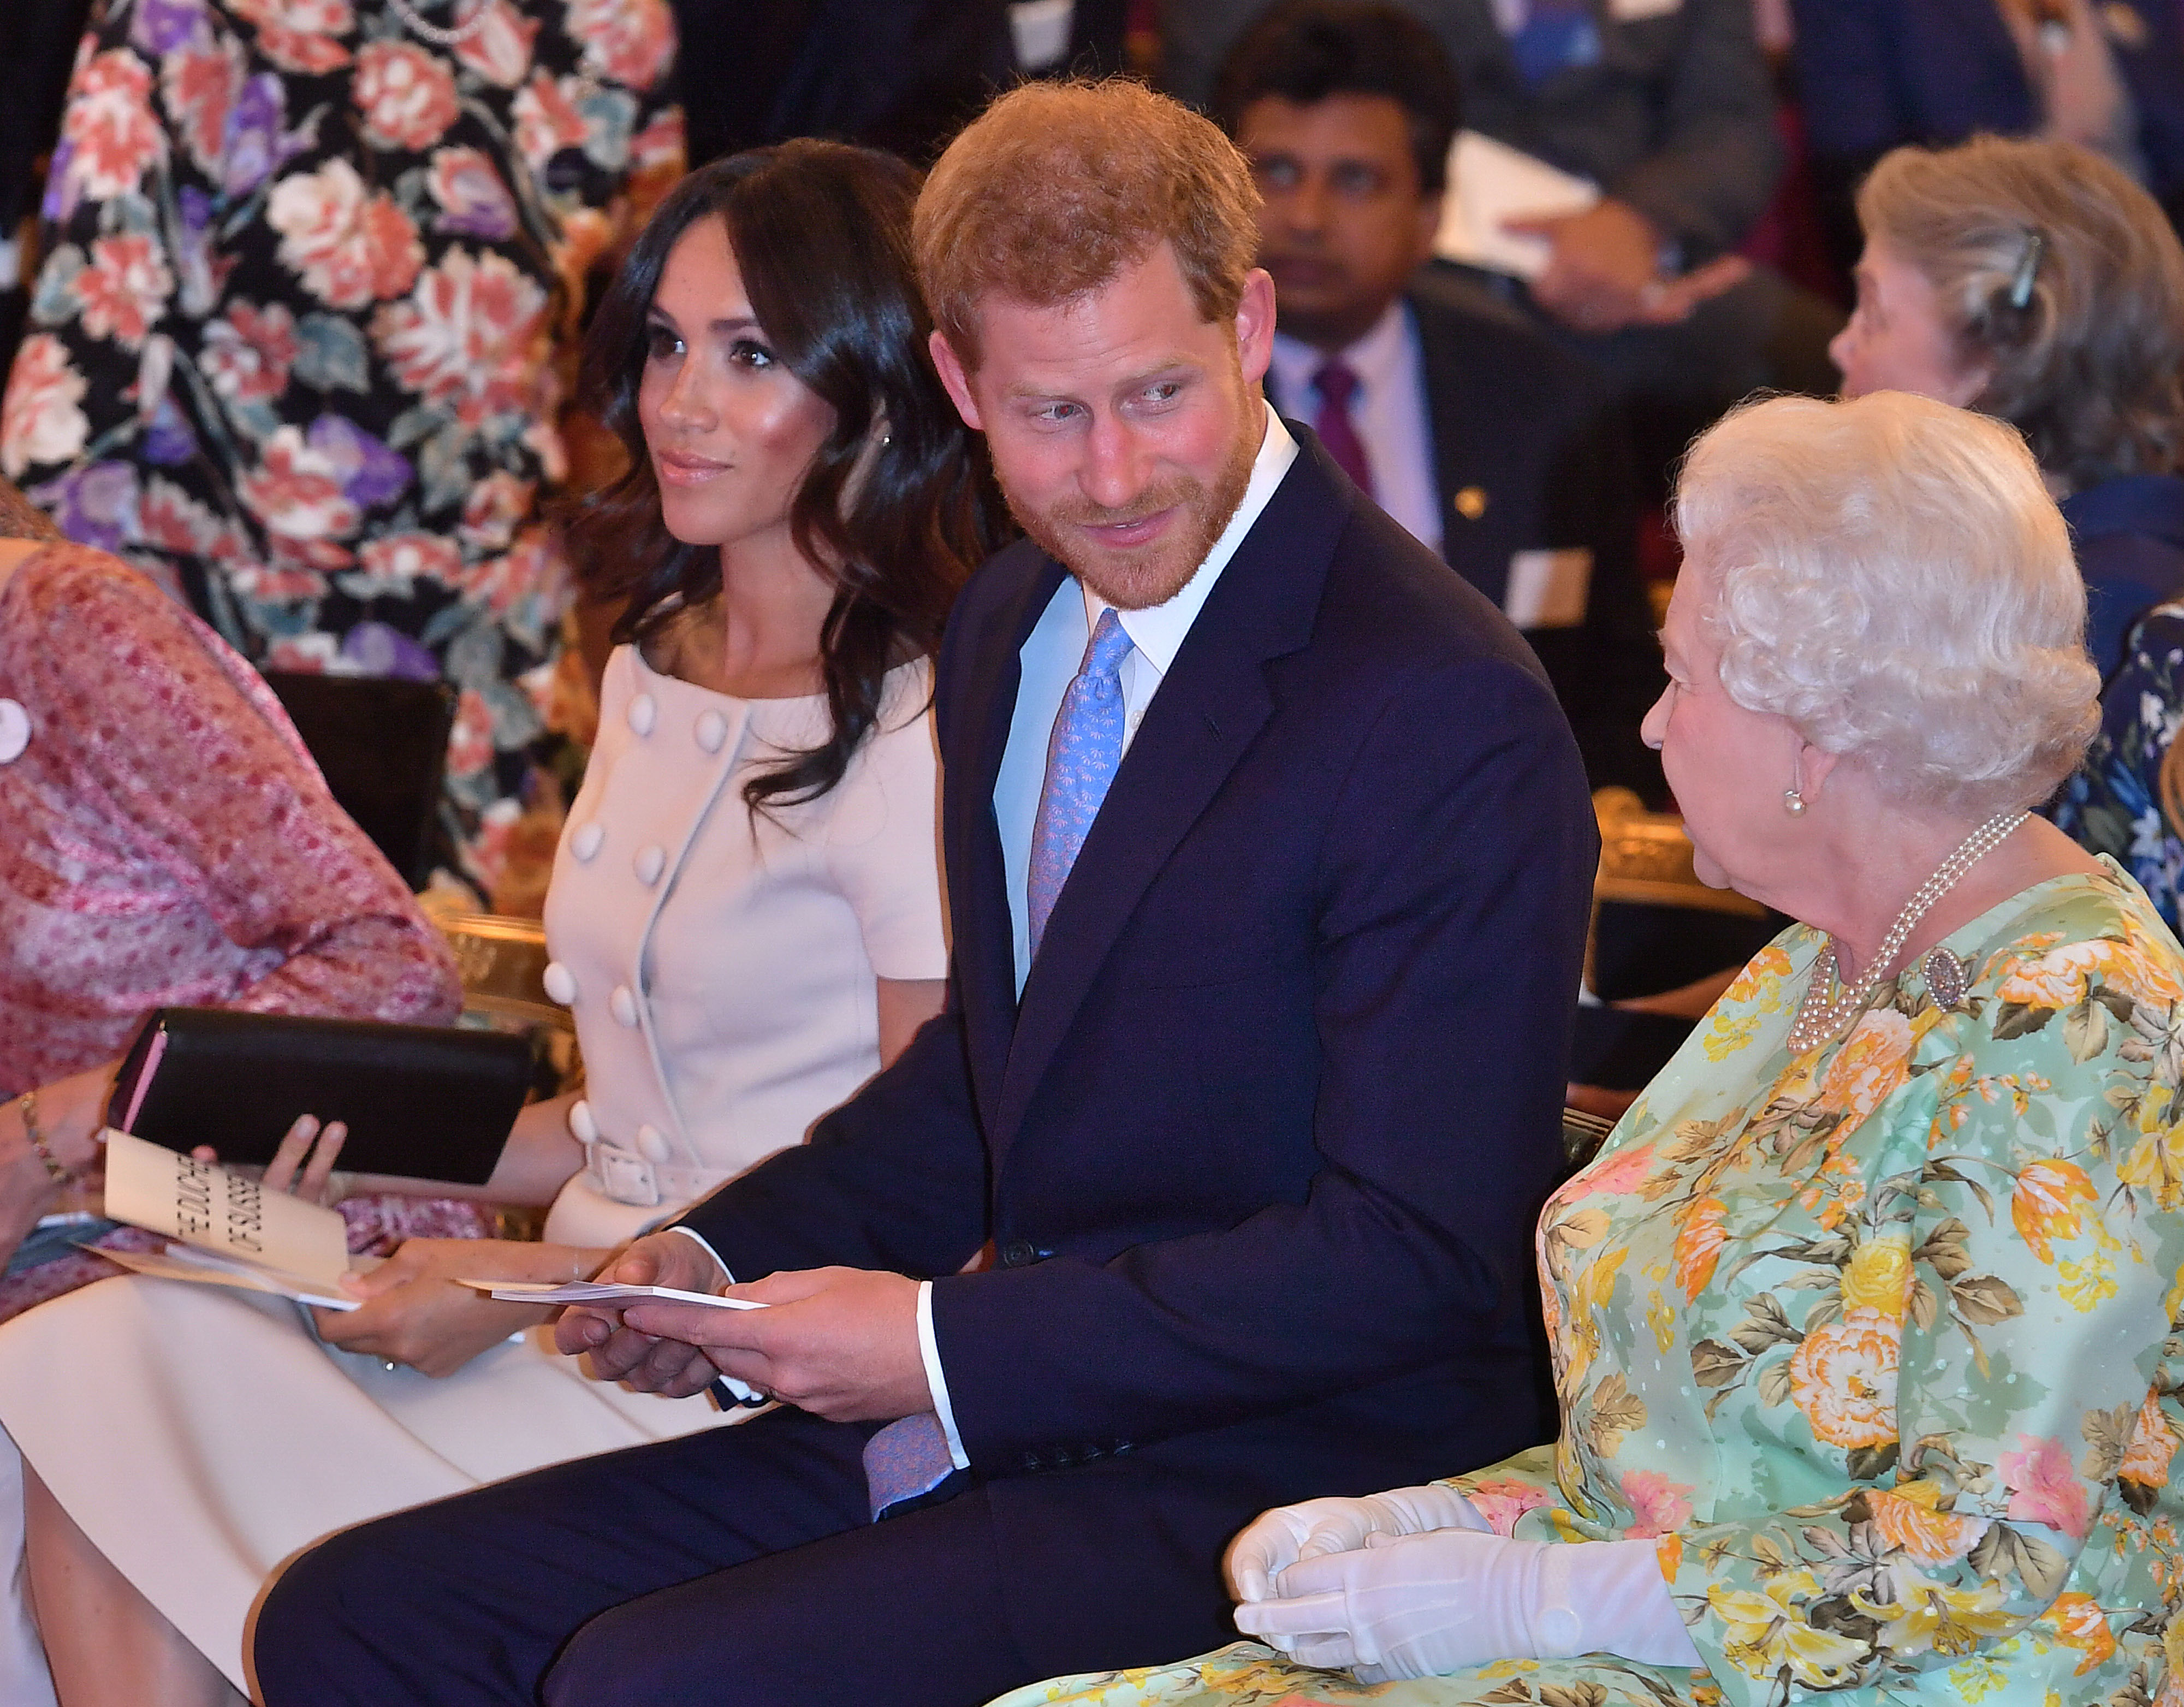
[745, 918]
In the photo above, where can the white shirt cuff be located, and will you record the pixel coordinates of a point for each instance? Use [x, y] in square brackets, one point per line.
[727, 1274]
[936, 1383]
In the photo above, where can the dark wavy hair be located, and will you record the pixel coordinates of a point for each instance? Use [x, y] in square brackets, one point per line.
[821, 233]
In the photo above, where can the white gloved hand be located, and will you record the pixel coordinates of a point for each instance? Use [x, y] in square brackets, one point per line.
[1423, 1604]
[1275, 1540]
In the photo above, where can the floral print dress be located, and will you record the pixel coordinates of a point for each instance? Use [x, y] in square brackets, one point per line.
[2112, 803]
[291, 348]
[1878, 1342]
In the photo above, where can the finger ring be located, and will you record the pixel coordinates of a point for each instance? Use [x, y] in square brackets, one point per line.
[389, 1364]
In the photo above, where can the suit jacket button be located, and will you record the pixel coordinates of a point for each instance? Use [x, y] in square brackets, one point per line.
[1032, 1460]
[1018, 1253]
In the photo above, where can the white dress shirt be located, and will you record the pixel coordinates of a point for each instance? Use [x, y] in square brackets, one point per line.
[1388, 410]
[1051, 656]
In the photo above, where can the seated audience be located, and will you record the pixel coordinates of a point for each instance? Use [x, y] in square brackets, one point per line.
[2035, 282]
[1863, 1316]
[1268, 855]
[1670, 110]
[169, 843]
[1877, 74]
[745, 915]
[1413, 379]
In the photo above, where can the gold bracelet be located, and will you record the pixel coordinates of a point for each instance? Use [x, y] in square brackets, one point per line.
[29, 1102]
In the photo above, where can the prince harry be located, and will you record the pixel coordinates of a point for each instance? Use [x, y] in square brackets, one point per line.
[1268, 857]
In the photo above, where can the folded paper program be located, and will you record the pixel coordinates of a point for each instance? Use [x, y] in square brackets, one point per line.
[250, 1237]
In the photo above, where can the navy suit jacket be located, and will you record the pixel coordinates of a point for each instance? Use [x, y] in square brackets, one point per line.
[1261, 1148]
[1530, 455]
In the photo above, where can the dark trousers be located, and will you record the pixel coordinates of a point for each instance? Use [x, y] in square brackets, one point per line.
[731, 1566]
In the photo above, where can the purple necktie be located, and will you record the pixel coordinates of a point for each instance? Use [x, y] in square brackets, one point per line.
[1336, 385]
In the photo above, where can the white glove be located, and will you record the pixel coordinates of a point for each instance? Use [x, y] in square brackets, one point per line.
[1275, 1540]
[1429, 1604]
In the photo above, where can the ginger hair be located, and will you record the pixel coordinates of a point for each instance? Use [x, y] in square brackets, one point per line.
[1058, 187]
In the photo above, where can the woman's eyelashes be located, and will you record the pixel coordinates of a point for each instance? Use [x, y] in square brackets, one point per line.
[749, 352]
[662, 343]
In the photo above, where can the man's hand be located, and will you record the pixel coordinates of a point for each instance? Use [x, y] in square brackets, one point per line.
[1604, 272]
[839, 1342]
[415, 1313]
[646, 1361]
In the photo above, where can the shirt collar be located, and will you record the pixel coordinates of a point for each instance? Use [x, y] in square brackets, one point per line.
[1378, 359]
[1157, 632]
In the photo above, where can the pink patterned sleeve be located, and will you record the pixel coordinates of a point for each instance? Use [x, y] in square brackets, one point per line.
[192, 753]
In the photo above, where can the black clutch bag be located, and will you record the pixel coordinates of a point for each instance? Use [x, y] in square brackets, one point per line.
[426, 1102]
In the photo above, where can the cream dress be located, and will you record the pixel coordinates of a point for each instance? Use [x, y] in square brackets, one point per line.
[721, 967]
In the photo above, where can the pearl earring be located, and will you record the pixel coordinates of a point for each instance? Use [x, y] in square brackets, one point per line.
[1793, 802]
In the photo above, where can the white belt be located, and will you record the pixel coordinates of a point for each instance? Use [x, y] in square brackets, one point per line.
[642, 1176]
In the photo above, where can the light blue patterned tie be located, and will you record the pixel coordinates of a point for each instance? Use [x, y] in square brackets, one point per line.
[1081, 755]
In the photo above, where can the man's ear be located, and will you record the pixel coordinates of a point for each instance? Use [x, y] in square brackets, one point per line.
[1255, 325]
[955, 381]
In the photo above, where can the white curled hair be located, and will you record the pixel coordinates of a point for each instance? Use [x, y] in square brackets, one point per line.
[1890, 576]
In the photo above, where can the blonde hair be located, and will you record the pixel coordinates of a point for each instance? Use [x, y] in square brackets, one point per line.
[1058, 187]
[2060, 275]
[1890, 576]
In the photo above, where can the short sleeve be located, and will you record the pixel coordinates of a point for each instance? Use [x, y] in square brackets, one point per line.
[886, 851]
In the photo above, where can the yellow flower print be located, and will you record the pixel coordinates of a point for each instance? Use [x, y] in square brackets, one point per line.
[2058, 978]
[2155, 1163]
[2085, 1285]
[1726, 1034]
[2152, 1445]
[1662, 1319]
[1934, 1616]
[1698, 1247]
[2080, 1623]
[1768, 1631]
[1843, 1379]
[1879, 1275]
[1871, 1062]
[2044, 1204]
[1910, 1517]
[1668, 1550]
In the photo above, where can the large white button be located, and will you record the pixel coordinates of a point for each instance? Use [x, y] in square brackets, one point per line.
[622, 1005]
[650, 863]
[560, 983]
[712, 731]
[585, 843]
[652, 1145]
[642, 714]
[15, 732]
[582, 1127]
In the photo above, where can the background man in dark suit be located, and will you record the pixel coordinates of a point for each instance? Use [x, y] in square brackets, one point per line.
[1667, 105]
[1268, 855]
[1469, 426]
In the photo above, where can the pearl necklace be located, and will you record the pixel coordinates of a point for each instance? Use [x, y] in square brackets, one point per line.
[1821, 1018]
[433, 32]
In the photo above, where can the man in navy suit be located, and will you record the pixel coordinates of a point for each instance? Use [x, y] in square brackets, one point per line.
[1268, 858]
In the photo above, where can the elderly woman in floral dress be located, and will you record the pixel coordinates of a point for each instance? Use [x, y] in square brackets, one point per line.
[291, 348]
[1865, 1317]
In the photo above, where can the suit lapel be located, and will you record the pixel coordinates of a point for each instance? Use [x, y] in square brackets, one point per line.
[1210, 708]
[977, 882]
[1460, 388]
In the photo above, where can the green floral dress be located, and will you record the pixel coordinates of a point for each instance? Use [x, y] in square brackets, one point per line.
[1878, 1342]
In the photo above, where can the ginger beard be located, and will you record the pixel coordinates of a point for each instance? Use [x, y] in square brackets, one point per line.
[1154, 573]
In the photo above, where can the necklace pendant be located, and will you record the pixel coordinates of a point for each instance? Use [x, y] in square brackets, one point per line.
[1946, 979]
